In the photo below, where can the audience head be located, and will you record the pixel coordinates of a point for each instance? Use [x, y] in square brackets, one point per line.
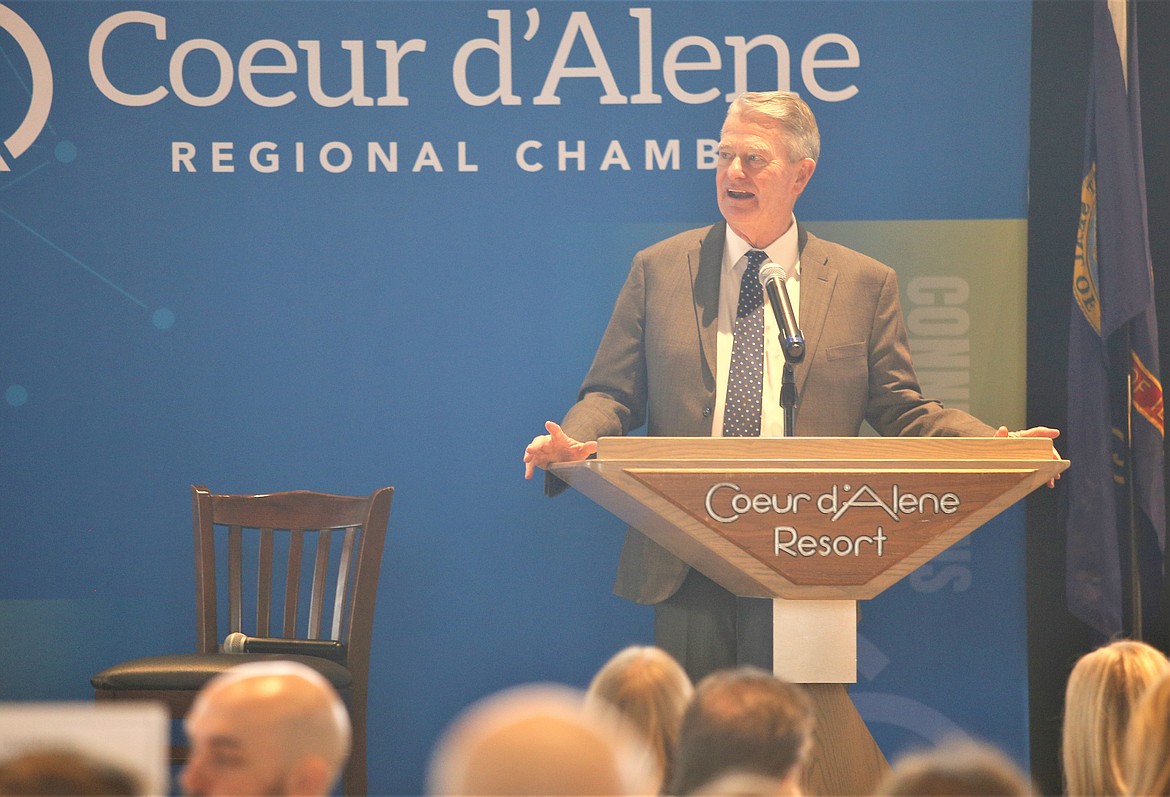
[1102, 690]
[64, 772]
[1147, 742]
[271, 728]
[651, 690]
[539, 740]
[744, 720]
[957, 769]
[735, 783]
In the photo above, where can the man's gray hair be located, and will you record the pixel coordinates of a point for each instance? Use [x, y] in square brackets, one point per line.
[788, 113]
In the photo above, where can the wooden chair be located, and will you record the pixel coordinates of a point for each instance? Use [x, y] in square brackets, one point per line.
[327, 545]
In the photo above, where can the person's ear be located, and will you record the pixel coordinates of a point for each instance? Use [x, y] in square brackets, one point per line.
[309, 777]
[804, 173]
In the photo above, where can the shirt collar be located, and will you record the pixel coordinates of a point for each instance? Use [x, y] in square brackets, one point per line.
[782, 251]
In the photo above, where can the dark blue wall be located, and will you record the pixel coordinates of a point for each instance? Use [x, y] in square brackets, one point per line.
[302, 329]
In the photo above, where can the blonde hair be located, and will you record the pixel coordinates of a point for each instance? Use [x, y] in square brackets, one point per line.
[651, 691]
[1102, 690]
[788, 114]
[1147, 743]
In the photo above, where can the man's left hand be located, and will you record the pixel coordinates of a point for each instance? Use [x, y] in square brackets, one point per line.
[1035, 431]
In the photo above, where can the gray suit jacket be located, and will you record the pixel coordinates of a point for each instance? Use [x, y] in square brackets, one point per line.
[656, 365]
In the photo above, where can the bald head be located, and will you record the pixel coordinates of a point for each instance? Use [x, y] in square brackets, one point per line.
[274, 727]
[539, 740]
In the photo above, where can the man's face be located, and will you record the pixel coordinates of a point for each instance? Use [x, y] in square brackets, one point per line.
[233, 751]
[757, 184]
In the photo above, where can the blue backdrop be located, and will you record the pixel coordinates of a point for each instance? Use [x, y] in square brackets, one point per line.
[207, 277]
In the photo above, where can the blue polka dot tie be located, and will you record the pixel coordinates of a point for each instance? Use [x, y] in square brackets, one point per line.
[745, 380]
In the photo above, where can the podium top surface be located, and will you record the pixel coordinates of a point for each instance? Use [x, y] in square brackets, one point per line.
[826, 449]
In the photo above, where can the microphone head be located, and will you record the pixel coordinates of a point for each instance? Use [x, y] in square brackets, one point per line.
[234, 642]
[772, 271]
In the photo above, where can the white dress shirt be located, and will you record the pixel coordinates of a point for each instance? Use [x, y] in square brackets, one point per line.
[783, 252]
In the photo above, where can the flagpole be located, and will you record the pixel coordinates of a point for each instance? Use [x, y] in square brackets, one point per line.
[1137, 631]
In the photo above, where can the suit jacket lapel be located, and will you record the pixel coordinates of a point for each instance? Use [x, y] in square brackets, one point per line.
[706, 263]
[817, 279]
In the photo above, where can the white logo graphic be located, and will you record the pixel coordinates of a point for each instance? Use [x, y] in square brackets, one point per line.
[42, 86]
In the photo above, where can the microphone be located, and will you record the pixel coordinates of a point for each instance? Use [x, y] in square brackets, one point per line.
[772, 278]
[325, 648]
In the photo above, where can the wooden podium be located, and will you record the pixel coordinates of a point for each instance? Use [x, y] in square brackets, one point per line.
[816, 524]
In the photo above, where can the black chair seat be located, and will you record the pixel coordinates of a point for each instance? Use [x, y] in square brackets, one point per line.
[190, 671]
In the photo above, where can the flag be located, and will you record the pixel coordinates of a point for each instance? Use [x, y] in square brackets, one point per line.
[1113, 491]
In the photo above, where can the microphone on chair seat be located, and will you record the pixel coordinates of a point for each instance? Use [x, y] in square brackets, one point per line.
[236, 642]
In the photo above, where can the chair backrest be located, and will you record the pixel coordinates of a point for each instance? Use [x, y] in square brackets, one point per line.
[327, 545]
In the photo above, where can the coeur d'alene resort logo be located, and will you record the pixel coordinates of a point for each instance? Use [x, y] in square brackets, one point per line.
[39, 95]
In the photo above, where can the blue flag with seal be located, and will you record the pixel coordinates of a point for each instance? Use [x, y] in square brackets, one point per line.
[1114, 504]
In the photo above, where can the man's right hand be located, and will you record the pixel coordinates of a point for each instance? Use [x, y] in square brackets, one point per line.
[556, 446]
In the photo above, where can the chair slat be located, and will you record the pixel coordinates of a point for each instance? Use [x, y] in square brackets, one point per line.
[235, 578]
[206, 592]
[298, 509]
[244, 519]
[264, 584]
[292, 585]
[343, 571]
[320, 571]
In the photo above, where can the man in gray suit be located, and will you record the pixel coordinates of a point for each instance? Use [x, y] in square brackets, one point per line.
[666, 360]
